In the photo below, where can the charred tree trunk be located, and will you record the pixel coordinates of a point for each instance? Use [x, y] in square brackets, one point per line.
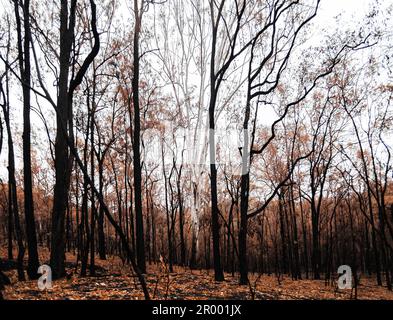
[25, 71]
[13, 207]
[100, 225]
[4, 280]
[168, 219]
[316, 250]
[284, 252]
[64, 120]
[61, 149]
[297, 270]
[93, 212]
[181, 219]
[214, 86]
[243, 265]
[140, 242]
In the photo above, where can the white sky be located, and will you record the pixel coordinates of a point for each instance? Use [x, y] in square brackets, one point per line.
[348, 8]
[352, 13]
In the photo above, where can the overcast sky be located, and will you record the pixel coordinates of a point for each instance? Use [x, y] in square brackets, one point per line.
[329, 8]
[349, 9]
[352, 13]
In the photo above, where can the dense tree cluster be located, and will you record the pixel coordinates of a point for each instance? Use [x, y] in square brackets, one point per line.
[213, 134]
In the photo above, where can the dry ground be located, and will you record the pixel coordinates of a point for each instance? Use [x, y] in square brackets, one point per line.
[116, 281]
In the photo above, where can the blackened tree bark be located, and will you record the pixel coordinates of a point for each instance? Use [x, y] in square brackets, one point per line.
[218, 273]
[244, 194]
[215, 81]
[283, 228]
[261, 86]
[233, 189]
[297, 271]
[5, 108]
[320, 164]
[25, 74]
[13, 207]
[140, 242]
[4, 280]
[123, 239]
[92, 175]
[101, 233]
[168, 220]
[10, 229]
[181, 217]
[304, 233]
[101, 156]
[61, 148]
[63, 159]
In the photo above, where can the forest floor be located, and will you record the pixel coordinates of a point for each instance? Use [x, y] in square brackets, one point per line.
[116, 281]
